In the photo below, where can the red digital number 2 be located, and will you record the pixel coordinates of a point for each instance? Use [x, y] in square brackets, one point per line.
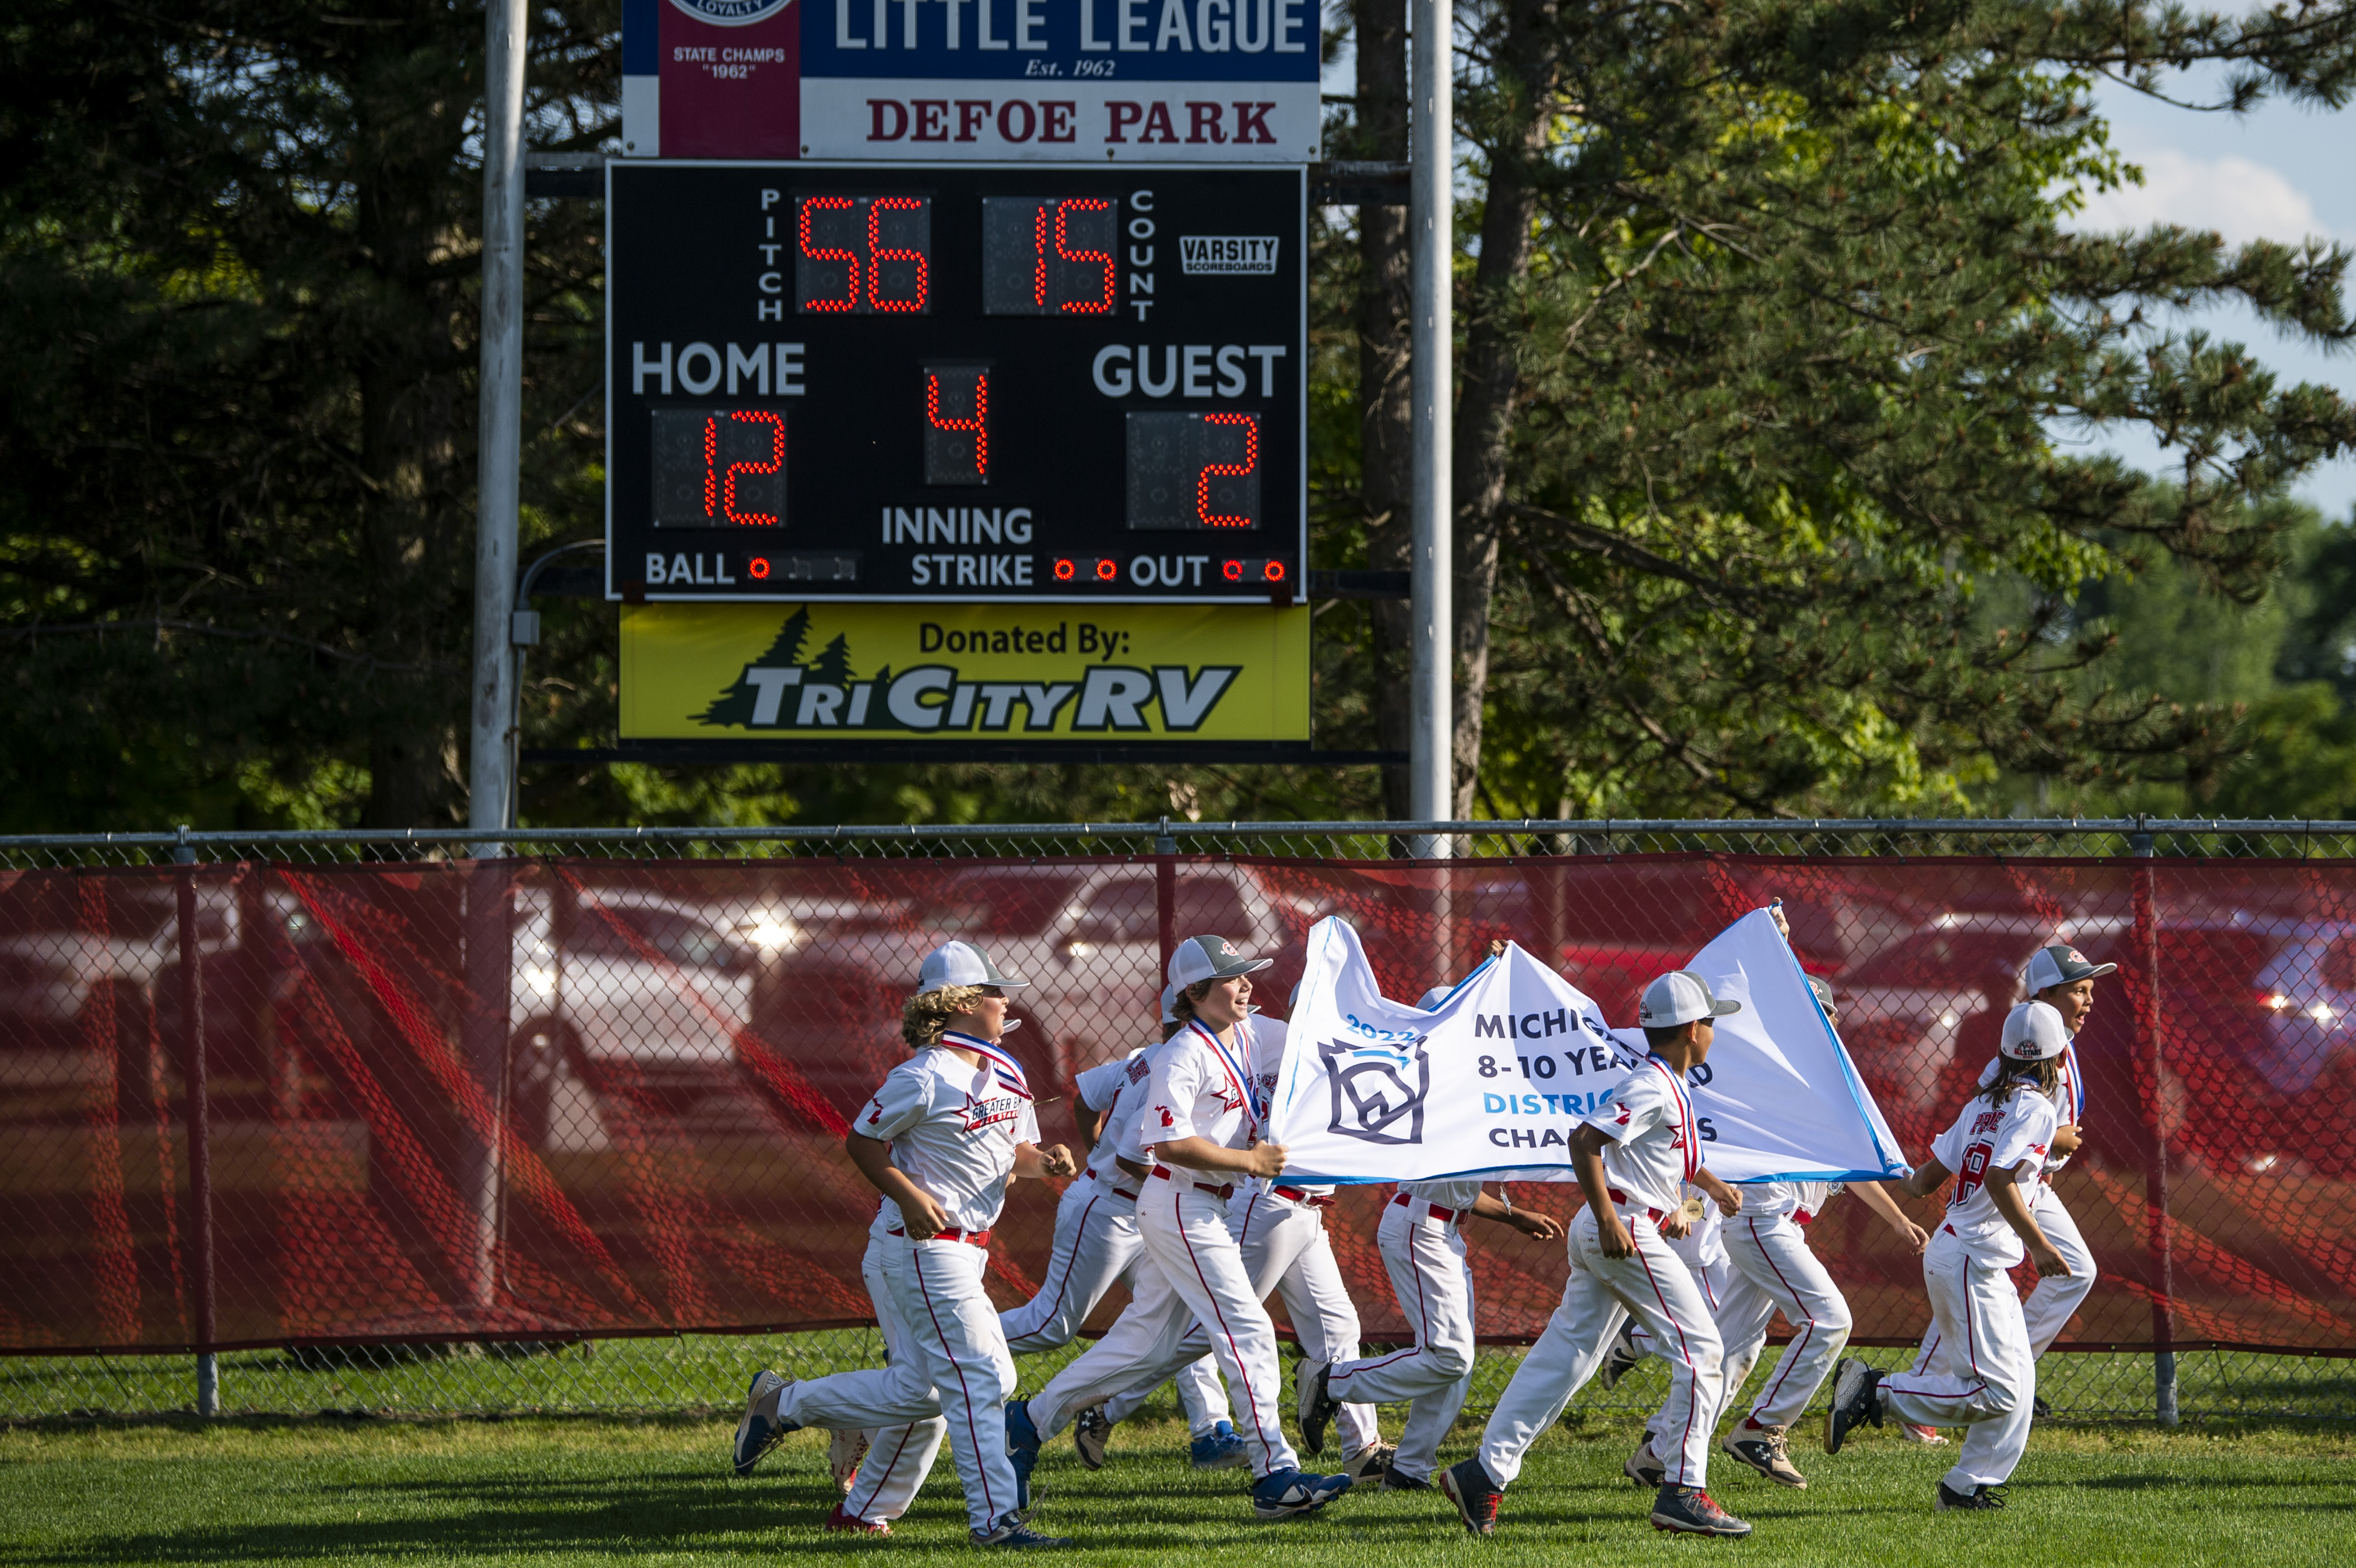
[1227, 470]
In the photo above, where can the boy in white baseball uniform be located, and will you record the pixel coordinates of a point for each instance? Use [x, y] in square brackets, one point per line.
[2063, 978]
[1423, 1253]
[1986, 1376]
[1204, 1119]
[1632, 1154]
[1769, 1266]
[1095, 1243]
[938, 1140]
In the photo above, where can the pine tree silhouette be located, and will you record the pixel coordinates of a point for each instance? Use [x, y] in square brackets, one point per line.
[832, 666]
[734, 706]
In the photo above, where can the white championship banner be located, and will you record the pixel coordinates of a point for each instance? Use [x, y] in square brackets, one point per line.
[1492, 1081]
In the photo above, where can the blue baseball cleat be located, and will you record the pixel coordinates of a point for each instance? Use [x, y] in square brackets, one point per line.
[1220, 1448]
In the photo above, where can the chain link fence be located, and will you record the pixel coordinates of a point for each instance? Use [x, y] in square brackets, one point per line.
[516, 1123]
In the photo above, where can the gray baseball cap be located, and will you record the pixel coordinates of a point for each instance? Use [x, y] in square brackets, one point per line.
[1678, 997]
[2062, 965]
[1211, 957]
[2033, 1032]
[961, 964]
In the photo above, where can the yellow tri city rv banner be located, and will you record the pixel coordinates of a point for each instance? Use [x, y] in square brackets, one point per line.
[1036, 672]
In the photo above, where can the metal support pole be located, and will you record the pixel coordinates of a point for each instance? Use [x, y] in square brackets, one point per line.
[2155, 1177]
[1431, 786]
[499, 430]
[197, 1113]
[491, 776]
[1165, 892]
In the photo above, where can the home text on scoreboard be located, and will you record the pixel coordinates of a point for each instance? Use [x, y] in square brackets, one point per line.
[882, 381]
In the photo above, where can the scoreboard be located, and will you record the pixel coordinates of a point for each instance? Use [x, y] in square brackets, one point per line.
[965, 383]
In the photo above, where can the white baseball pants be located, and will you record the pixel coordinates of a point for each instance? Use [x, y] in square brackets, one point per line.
[1425, 1257]
[1983, 1378]
[1285, 1251]
[898, 1458]
[1197, 1275]
[949, 1364]
[1650, 1285]
[1096, 1244]
[1771, 1268]
[1710, 1279]
[2052, 1303]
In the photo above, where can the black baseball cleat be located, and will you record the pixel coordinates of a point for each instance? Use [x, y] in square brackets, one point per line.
[1986, 1494]
[1856, 1399]
[1644, 1467]
[1476, 1495]
[1620, 1359]
[2037, 1409]
[1400, 1481]
[1689, 1510]
[1090, 1432]
[1287, 1494]
[1767, 1450]
[761, 1428]
[1317, 1407]
[1012, 1533]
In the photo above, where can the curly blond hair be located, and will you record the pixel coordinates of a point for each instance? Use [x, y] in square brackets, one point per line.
[928, 1013]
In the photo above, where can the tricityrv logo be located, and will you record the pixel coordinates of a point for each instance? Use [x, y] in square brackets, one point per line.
[790, 688]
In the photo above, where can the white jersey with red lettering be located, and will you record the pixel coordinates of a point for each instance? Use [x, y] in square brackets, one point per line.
[953, 1129]
[1986, 1138]
[2069, 1096]
[1655, 1145]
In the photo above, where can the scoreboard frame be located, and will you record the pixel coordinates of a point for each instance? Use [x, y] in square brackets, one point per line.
[816, 483]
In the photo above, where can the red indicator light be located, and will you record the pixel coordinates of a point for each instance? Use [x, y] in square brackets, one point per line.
[1273, 571]
[1250, 423]
[777, 461]
[849, 259]
[1062, 252]
[878, 253]
[757, 567]
[1108, 570]
[1233, 571]
[1064, 571]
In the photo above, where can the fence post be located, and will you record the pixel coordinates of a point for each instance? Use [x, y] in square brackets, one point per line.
[1166, 891]
[489, 985]
[197, 1115]
[2155, 1175]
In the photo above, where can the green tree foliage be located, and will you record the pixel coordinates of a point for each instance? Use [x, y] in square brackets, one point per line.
[1770, 310]
[239, 254]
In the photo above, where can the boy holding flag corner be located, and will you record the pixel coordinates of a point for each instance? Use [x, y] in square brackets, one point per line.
[1632, 1153]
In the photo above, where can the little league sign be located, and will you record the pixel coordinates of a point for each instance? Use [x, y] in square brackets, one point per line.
[985, 80]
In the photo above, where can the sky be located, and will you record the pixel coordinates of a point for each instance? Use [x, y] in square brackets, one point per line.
[2279, 173]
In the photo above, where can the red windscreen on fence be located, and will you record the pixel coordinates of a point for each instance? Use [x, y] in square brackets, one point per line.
[611, 1100]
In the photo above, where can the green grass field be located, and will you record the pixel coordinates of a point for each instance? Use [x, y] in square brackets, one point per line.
[543, 1491]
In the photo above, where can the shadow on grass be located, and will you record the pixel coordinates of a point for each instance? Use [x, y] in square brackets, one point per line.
[331, 1419]
[613, 1517]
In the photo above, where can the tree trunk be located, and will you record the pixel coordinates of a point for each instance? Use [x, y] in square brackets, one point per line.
[1385, 423]
[1490, 372]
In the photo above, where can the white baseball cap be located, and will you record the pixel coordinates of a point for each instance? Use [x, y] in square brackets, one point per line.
[2033, 1032]
[1211, 957]
[1678, 997]
[2062, 965]
[961, 964]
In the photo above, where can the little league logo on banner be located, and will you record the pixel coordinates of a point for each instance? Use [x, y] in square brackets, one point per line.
[1494, 1081]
